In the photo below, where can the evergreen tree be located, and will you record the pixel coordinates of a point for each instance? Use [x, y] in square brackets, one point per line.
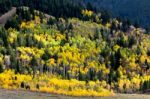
[34, 65]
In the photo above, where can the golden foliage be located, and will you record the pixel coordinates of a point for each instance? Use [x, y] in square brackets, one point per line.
[73, 87]
[87, 13]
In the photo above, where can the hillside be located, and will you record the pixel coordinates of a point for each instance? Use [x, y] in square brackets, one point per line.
[135, 10]
[81, 53]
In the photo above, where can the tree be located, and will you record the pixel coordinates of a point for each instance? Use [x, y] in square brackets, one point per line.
[4, 36]
[52, 21]
[105, 15]
[14, 23]
[46, 55]
[132, 41]
[115, 60]
[34, 65]
[145, 85]
[1, 65]
[125, 25]
[97, 34]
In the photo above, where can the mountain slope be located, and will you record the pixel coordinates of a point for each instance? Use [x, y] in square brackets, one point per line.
[81, 53]
[135, 10]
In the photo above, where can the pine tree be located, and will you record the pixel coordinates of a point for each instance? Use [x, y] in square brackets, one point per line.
[34, 65]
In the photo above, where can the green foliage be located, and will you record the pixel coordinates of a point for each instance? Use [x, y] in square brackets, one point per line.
[146, 85]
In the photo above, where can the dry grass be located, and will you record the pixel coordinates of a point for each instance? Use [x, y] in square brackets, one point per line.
[11, 94]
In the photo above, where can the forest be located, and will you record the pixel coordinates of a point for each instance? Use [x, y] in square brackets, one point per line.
[78, 51]
[135, 10]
